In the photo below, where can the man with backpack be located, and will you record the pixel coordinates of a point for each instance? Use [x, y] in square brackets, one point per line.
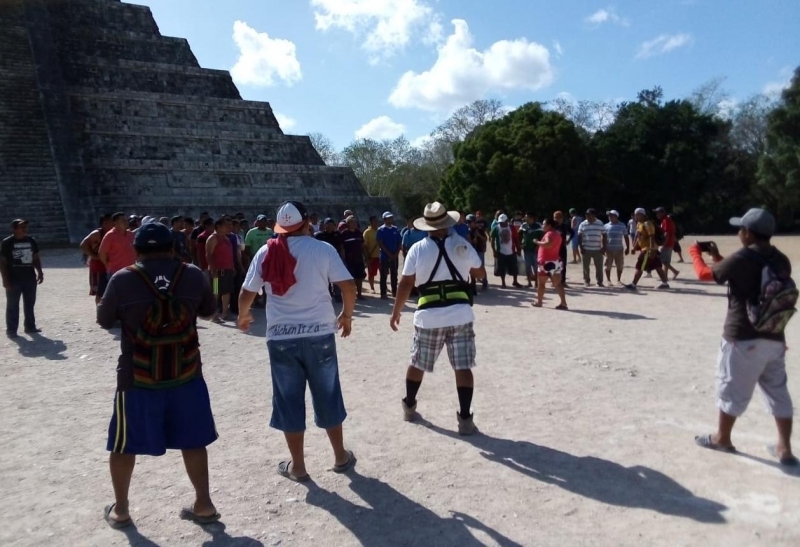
[668, 238]
[761, 300]
[161, 400]
[647, 240]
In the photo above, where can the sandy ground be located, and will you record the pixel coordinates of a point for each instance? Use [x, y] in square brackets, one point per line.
[588, 419]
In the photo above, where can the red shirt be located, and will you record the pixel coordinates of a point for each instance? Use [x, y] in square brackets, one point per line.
[222, 254]
[668, 227]
[552, 253]
[200, 246]
[119, 248]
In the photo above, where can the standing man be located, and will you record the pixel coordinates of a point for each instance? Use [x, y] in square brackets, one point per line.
[440, 266]
[649, 259]
[592, 243]
[749, 355]
[574, 223]
[161, 400]
[412, 235]
[618, 245]
[529, 233]
[332, 237]
[353, 247]
[295, 270]
[505, 257]
[221, 266]
[481, 237]
[372, 251]
[195, 234]
[257, 237]
[179, 238]
[670, 239]
[390, 242]
[21, 269]
[116, 250]
[91, 248]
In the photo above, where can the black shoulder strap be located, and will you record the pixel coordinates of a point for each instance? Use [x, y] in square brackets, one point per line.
[454, 274]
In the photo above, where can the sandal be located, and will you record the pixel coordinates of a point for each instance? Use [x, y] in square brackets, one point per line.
[562, 307]
[536, 304]
[115, 524]
[187, 513]
[344, 468]
[788, 461]
[705, 441]
[283, 471]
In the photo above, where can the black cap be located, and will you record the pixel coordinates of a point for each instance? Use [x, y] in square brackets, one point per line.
[591, 212]
[659, 210]
[18, 222]
[153, 235]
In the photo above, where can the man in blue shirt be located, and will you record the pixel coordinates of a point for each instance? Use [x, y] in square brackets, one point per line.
[390, 242]
[461, 227]
[412, 235]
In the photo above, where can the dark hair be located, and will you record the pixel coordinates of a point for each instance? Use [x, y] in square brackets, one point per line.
[550, 221]
[373, 217]
[208, 222]
[532, 215]
[760, 237]
[188, 220]
[175, 220]
[104, 218]
[221, 222]
[116, 216]
[204, 213]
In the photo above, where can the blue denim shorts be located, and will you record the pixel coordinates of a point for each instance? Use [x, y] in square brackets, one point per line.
[295, 362]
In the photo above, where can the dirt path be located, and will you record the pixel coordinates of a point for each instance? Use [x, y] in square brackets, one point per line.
[588, 420]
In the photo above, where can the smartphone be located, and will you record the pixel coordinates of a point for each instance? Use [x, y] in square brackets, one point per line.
[706, 246]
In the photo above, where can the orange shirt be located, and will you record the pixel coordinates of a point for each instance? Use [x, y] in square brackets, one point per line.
[119, 248]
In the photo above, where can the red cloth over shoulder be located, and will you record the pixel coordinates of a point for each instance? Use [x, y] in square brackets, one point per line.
[278, 266]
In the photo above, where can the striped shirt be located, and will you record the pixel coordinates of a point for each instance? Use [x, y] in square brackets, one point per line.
[592, 235]
[616, 236]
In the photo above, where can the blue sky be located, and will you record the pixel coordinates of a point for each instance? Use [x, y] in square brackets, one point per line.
[380, 68]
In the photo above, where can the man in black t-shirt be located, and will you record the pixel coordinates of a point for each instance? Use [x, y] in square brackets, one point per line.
[331, 236]
[21, 270]
[748, 357]
[199, 229]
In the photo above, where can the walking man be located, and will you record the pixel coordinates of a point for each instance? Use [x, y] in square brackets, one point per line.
[116, 250]
[21, 270]
[575, 221]
[353, 248]
[179, 237]
[221, 266]
[91, 248]
[529, 232]
[295, 269]
[618, 245]
[372, 251]
[505, 253]
[440, 266]
[670, 240]
[592, 241]
[161, 400]
[649, 259]
[749, 356]
[390, 242]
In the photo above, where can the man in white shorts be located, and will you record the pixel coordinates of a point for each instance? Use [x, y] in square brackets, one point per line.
[749, 357]
[440, 266]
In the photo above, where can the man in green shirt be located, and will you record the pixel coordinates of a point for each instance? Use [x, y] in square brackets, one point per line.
[257, 237]
[529, 232]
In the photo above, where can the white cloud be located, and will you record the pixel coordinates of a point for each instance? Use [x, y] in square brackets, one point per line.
[663, 44]
[263, 60]
[774, 89]
[462, 74]
[420, 142]
[557, 47]
[286, 122]
[607, 15]
[726, 108]
[387, 25]
[380, 128]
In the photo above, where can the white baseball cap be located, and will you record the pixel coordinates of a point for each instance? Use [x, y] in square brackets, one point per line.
[640, 211]
[613, 212]
[387, 214]
[502, 218]
[291, 216]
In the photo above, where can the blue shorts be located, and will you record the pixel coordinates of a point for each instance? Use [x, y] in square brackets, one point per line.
[295, 362]
[149, 421]
[531, 262]
[574, 243]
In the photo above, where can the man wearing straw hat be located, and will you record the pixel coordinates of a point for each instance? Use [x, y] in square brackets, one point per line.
[440, 266]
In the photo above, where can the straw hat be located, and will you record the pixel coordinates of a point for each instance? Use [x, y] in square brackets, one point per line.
[436, 217]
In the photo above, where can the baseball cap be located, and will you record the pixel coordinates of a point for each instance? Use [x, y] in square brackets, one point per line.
[640, 211]
[572, 210]
[756, 220]
[152, 235]
[470, 218]
[387, 214]
[259, 218]
[148, 220]
[613, 212]
[328, 220]
[291, 216]
[502, 218]
[591, 211]
[659, 210]
[18, 222]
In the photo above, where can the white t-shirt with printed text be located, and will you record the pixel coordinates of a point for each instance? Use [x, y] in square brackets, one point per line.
[420, 261]
[306, 309]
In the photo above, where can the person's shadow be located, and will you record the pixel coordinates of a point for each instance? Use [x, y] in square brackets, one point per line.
[219, 537]
[394, 519]
[41, 346]
[595, 478]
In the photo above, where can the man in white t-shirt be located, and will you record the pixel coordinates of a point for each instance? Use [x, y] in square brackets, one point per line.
[440, 266]
[295, 269]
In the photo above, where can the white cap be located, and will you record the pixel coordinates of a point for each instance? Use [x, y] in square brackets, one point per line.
[613, 212]
[291, 216]
[502, 218]
[148, 220]
[640, 211]
[387, 214]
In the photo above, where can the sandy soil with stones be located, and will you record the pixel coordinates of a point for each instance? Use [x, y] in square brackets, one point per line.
[588, 419]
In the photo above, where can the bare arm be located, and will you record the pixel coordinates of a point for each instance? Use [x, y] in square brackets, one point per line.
[345, 319]
[211, 244]
[37, 264]
[86, 245]
[403, 293]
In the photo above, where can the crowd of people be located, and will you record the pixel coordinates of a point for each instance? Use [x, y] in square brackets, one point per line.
[156, 277]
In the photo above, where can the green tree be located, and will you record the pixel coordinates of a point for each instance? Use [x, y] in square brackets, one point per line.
[779, 167]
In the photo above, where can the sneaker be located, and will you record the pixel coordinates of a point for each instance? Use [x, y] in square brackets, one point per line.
[466, 426]
[587, 284]
[11, 334]
[600, 284]
[630, 287]
[664, 286]
[409, 412]
[34, 330]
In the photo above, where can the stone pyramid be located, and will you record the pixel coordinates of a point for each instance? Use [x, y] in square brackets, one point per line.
[101, 113]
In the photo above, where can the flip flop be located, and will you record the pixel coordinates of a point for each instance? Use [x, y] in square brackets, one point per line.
[562, 307]
[536, 305]
[789, 461]
[344, 468]
[115, 524]
[283, 471]
[187, 513]
[705, 441]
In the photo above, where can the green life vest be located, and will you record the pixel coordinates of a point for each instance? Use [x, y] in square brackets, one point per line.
[440, 294]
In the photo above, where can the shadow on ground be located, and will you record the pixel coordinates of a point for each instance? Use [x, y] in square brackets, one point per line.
[394, 519]
[595, 478]
[41, 346]
[219, 537]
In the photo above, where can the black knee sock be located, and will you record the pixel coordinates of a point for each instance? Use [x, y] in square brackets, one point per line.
[412, 388]
[465, 400]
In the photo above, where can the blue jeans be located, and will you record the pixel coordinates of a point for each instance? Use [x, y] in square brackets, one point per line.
[531, 263]
[299, 361]
[27, 290]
